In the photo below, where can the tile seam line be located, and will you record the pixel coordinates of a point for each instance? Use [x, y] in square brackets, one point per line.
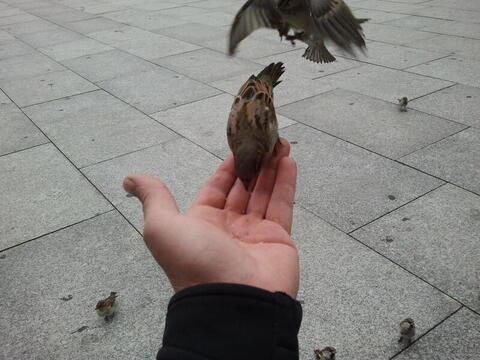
[388, 259]
[27, 148]
[428, 331]
[56, 230]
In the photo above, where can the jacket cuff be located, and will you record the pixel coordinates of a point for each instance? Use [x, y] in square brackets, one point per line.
[231, 321]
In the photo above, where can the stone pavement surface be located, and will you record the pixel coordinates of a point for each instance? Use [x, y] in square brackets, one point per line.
[387, 215]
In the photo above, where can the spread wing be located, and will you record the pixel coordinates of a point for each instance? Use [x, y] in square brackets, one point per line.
[334, 19]
[253, 15]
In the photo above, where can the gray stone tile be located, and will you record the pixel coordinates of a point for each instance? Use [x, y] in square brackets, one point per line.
[144, 19]
[93, 25]
[456, 28]
[42, 192]
[215, 18]
[108, 65]
[454, 159]
[6, 11]
[347, 287]
[383, 83]
[396, 56]
[50, 38]
[183, 11]
[207, 65]
[97, 8]
[208, 129]
[371, 123]
[416, 22]
[45, 87]
[74, 49]
[13, 48]
[346, 185]
[5, 36]
[18, 132]
[291, 89]
[19, 18]
[30, 27]
[443, 224]
[195, 33]
[448, 13]
[107, 127]
[155, 46]
[87, 261]
[157, 90]
[459, 4]
[388, 6]
[456, 338]
[376, 16]
[67, 16]
[295, 64]
[151, 5]
[183, 166]
[459, 103]
[4, 100]
[114, 36]
[27, 66]
[394, 34]
[469, 48]
[453, 68]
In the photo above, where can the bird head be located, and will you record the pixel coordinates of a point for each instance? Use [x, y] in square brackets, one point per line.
[246, 163]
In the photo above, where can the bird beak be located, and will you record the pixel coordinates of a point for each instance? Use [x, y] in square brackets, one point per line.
[246, 184]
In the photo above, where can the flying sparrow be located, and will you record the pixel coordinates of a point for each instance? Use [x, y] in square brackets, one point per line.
[327, 353]
[312, 21]
[106, 307]
[407, 330]
[252, 129]
[403, 103]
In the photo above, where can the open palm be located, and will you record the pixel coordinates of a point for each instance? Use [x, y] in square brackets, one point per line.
[228, 235]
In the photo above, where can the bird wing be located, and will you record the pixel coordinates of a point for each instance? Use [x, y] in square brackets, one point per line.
[334, 19]
[254, 14]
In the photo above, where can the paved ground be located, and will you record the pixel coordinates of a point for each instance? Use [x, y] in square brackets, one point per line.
[387, 214]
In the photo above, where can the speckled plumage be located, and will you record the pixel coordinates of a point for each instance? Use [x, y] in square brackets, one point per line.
[407, 330]
[327, 353]
[403, 102]
[106, 308]
[252, 129]
[312, 21]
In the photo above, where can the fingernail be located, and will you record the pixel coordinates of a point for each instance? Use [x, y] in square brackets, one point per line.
[129, 185]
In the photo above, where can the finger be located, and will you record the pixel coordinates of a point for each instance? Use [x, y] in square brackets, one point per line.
[238, 197]
[262, 192]
[215, 191]
[157, 201]
[280, 208]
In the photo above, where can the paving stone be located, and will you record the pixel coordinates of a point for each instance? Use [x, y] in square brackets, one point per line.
[459, 103]
[67, 16]
[74, 49]
[291, 89]
[20, 18]
[93, 25]
[45, 87]
[18, 132]
[456, 338]
[207, 65]
[157, 90]
[97, 8]
[183, 166]
[394, 34]
[383, 83]
[5, 36]
[453, 68]
[42, 192]
[30, 27]
[209, 128]
[8, 12]
[4, 99]
[151, 5]
[373, 124]
[85, 261]
[454, 159]
[436, 238]
[456, 28]
[459, 4]
[144, 19]
[468, 48]
[216, 18]
[396, 56]
[155, 46]
[388, 6]
[183, 11]
[50, 38]
[108, 65]
[376, 16]
[13, 48]
[108, 127]
[346, 185]
[195, 33]
[446, 13]
[354, 296]
[26, 66]
[114, 36]
[416, 22]
[297, 65]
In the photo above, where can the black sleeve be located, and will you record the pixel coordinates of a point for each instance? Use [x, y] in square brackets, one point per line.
[229, 321]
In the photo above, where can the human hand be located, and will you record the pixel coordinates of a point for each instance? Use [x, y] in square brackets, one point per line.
[228, 235]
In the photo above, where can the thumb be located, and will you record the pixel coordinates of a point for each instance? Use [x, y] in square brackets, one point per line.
[156, 199]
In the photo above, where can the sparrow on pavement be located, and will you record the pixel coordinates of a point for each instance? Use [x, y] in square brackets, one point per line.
[106, 307]
[403, 103]
[407, 330]
[327, 353]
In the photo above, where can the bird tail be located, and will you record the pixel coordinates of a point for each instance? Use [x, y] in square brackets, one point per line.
[272, 73]
[318, 54]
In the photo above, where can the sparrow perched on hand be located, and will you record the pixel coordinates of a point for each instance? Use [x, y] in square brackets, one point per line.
[252, 129]
[407, 330]
[327, 353]
[403, 103]
[106, 307]
[312, 21]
